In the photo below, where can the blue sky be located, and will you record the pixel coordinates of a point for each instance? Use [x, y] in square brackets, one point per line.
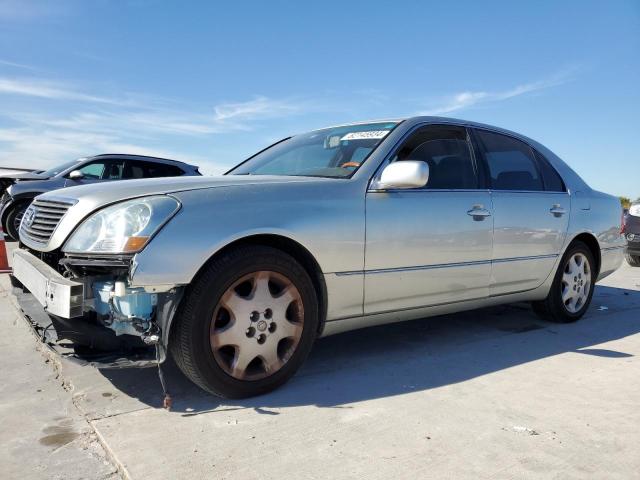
[212, 82]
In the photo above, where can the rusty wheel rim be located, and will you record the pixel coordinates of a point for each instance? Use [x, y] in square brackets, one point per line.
[256, 325]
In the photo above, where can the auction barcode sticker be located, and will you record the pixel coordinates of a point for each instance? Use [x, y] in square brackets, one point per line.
[372, 134]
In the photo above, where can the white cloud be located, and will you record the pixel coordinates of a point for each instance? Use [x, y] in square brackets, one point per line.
[43, 148]
[85, 123]
[466, 99]
[7, 63]
[151, 113]
[261, 107]
[50, 90]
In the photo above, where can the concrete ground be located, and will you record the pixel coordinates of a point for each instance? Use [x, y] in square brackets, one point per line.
[42, 434]
[494, 393]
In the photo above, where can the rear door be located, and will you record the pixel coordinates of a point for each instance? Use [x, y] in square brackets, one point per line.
[531, 212]
[144, 169]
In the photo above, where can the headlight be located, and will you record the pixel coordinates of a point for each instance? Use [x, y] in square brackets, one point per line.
[635, 210]
[124, 227]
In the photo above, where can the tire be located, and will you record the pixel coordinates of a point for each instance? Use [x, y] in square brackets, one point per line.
[13, 220]
[633, 260]
[240, 299]
[564, 303]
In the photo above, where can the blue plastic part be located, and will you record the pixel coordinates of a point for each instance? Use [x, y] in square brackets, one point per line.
[135, 303]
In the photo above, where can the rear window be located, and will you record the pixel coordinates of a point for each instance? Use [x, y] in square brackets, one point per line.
[142, 169]
[511, 163]
[552, 180]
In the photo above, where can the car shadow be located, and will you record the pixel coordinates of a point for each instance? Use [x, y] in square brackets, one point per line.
[410, 356]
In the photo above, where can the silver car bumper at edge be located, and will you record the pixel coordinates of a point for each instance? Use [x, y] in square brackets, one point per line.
[58, 295]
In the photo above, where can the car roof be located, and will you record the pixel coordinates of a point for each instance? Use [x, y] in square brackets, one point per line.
[128, 156]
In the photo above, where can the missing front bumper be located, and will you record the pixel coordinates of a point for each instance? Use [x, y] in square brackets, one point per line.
[58, 295]
[85, 319]
[82, 341]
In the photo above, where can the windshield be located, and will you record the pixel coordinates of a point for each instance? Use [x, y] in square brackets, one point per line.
[60, 168]
[332, 152]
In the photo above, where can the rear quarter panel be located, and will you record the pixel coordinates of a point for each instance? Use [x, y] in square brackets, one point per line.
[601, 217]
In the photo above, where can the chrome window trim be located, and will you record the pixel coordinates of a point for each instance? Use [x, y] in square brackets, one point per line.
[376, 175]
[536, 162]
[534, 150]
[387, 160]
[426, 190]
[468, 190]
[547, 192]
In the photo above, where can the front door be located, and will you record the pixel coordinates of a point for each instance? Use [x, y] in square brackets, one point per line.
[98, 171]
[431, 245]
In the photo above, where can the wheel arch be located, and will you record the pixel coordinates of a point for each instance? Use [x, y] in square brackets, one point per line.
[291, 247]
[9, 206]
[592, 243]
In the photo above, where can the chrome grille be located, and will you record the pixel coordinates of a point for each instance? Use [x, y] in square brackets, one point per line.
[41, 219]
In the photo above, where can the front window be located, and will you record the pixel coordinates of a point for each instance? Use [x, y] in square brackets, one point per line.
[332, 152]
[447, 152]
[103, 170]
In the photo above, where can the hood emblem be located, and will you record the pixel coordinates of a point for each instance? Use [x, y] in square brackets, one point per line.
[29, 217]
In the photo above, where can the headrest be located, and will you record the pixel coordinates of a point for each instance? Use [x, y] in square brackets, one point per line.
[519, 180]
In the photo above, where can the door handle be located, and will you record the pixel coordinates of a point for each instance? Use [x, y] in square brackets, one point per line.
[478, 212]
[557, 210]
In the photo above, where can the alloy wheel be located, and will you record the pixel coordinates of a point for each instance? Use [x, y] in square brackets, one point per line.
[576, 282]
[18, 219]
[257, 325]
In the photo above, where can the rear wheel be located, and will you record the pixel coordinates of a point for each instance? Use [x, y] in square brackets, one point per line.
[247, 323]
[633, 260]
[14, 217]
[572, 288]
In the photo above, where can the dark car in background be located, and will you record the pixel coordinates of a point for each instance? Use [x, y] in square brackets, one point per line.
[9, 175]
[99, 168]
[631, 230]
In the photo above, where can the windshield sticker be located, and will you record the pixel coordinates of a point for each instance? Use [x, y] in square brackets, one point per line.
[373, 134]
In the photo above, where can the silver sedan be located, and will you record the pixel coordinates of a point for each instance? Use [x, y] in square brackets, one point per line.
[336, 229]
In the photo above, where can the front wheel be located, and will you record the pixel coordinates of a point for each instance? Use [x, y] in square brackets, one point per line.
[14, 217]
[246, 324]
[572, 287]
[633, 260]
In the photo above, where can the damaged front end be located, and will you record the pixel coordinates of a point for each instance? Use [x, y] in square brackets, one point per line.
[85, 308]
[77, 260]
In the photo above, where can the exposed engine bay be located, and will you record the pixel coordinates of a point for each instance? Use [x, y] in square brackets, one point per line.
[109, 323]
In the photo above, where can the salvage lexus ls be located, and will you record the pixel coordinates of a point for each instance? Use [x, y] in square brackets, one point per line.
[341, 228]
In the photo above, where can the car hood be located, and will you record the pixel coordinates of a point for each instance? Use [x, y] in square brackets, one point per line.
[25, 176]
[35, 186]
[109, 192]
[85, 199]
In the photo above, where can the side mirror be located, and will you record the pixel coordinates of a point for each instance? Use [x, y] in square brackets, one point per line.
[404, 174]
[76, 175]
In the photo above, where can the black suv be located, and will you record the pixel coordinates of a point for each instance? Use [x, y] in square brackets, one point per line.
[100, 168]
[631, 230]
